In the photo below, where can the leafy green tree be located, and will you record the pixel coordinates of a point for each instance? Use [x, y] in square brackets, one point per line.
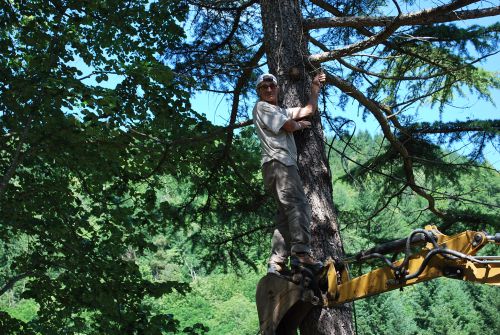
[81, 83]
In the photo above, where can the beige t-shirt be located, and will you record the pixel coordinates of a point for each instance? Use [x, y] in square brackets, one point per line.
[275, 143]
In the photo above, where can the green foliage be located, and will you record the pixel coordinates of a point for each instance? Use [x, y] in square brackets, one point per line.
[224, 303]
[23, 310]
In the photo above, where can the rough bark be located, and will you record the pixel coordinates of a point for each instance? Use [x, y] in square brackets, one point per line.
[286, 48]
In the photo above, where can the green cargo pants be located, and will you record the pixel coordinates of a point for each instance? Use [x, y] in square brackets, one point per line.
[292, 230]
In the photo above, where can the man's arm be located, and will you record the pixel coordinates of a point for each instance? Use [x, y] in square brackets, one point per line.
[309, 109]
[292, 125]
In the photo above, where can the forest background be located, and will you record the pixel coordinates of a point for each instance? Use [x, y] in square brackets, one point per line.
[123, 210]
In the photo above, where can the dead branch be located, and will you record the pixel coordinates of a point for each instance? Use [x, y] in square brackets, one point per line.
[239, 236]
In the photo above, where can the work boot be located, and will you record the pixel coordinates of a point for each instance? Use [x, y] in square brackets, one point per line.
[276, 268]
[304, 259]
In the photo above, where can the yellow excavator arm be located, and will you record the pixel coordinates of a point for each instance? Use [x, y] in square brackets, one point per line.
[283, 301]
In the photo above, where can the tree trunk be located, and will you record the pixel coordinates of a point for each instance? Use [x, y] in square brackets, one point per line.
[286, 50]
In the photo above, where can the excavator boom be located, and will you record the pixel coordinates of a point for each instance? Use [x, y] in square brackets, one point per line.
[282, 301]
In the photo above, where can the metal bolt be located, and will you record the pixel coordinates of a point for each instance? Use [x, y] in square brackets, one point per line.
[478, 238]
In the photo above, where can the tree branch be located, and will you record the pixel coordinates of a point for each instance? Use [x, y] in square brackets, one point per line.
[217, 91]
[448, 218]
[235, 237]
[234, 28]
[418, 18]
[95, 73]
[242, 80]
[17, 159]
[12, 281]
[327, 7]
[386, 203]
[388, 44]
[195, 139]
[39, 79]
[378, 75]
[389, 176]
[355, 47]
[379, 113]
[213, 5]
[455, 127]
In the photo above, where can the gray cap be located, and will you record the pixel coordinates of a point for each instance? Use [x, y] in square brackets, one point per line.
[266, 77]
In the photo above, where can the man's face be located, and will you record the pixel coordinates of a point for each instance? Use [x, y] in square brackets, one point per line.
[268, 92]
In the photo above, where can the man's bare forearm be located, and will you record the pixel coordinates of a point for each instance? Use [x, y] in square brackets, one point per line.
[312, 105]
[313, 99]
[292, 125]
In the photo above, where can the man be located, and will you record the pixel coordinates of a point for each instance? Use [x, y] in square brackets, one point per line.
[275, 127]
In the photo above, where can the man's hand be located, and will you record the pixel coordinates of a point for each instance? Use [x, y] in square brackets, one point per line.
[292, 125]
[309, 109]
[303, 124]
[319, 79]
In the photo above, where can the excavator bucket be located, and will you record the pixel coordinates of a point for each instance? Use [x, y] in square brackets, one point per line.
[282, 305]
